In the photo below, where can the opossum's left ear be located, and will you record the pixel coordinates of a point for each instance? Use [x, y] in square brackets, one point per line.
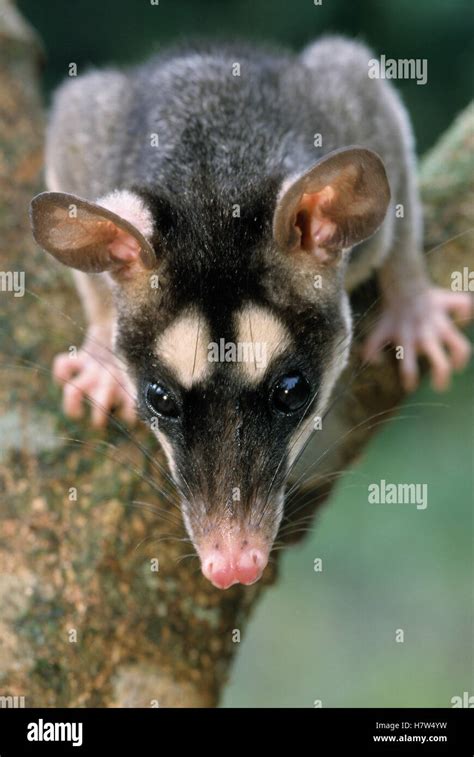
[338, 203]
[108, 235]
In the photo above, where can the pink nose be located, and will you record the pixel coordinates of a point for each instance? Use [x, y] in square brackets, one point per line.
[227, 563]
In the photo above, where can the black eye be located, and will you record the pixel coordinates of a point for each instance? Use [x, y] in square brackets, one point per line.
[290, 393]
[160, 401]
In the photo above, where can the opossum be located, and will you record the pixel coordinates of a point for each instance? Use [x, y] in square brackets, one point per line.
[217, 204]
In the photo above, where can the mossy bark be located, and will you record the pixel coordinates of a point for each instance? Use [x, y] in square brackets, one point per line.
[85, 617]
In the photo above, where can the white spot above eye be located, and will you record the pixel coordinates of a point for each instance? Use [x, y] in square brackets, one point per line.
[259, 327]
[183, 348]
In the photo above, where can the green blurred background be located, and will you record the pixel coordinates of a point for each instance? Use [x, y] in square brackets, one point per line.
[330, 636]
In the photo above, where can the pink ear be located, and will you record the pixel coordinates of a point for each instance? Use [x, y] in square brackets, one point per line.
[93, 237]
[316, 229]
[124, 248]
[336, 204]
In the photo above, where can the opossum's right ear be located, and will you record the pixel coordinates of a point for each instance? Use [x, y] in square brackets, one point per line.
[109, 235]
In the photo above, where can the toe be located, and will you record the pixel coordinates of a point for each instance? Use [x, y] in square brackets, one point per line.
[459, 304]
[65, 366]
[458, 346]
[102, 401]
[375, 343]
[439, 362]
[409, 368]
[73, 396]
[126, 406]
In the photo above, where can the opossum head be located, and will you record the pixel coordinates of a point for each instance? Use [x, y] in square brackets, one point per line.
[233, 319]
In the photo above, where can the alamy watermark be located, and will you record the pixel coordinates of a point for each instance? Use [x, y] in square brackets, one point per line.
[462, 281]
[13, 281]
[42, 730]
[383, 493]
[399, 68]
[237, 352]
[466, 700]
[12, 702]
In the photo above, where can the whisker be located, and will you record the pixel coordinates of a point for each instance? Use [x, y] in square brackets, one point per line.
[374, 416]
[128, 465]
[156, 540]
[185, 557]
[165, 515]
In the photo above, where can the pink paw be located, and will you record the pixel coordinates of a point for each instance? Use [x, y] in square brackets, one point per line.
[95, 374]
[423, 327]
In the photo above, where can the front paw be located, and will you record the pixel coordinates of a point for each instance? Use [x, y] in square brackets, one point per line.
[94, 373]
[423, 326]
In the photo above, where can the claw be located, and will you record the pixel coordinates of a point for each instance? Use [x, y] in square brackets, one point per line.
[423, 327]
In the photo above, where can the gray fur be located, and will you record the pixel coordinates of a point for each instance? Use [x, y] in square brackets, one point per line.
[102, 123]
